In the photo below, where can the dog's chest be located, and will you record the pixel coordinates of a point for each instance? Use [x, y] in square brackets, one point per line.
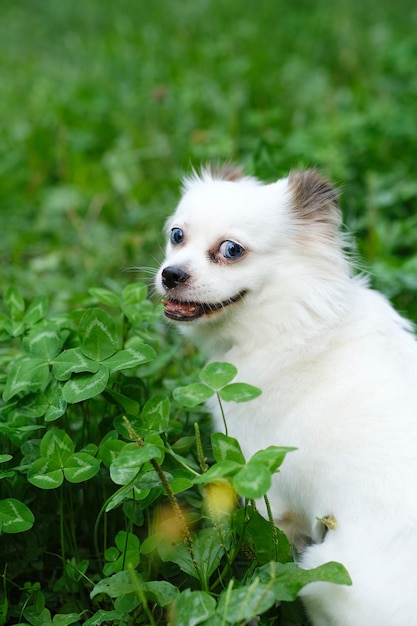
[259, 424]
[289, 412]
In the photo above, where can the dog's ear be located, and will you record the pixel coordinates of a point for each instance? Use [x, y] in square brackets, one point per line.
[314, 199]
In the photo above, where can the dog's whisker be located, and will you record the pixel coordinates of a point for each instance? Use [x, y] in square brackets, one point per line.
[141, 270]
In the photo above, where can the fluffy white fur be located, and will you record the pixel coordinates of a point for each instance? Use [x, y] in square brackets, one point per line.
[338, 370]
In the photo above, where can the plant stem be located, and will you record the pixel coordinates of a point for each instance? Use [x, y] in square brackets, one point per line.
[201, 458]
[74, 543]
[61, 528]
[226, 430]
[174, 503]
[101, 514]
[177, 458]
[227, 600]
[273, 527]
[165, 483]
[141, 595]
[5, 607]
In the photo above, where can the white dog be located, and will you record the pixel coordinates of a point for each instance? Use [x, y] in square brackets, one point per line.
[257, 275]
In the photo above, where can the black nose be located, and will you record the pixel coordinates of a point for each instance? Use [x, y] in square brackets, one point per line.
[173, 276]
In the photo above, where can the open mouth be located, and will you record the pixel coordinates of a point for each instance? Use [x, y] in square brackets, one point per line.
[182, 311]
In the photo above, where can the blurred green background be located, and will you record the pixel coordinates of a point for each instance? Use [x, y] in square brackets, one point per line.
[104, 105]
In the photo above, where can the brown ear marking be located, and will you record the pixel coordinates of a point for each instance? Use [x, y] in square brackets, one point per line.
[314, 199]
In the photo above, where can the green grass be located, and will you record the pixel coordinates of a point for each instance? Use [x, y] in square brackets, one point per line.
[103, 107]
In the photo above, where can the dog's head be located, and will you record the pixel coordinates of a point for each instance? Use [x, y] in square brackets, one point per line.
[234, 241]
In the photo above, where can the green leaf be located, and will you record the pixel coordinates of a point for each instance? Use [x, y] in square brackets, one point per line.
[50, 404]
[72, 361]
[44, 341]
[258, 536]
[42, 618]
[115, 586]
[226, 448]
[15, 517]
[130, 357]
[121, 476]
[125, 556]
[252, 481]
[98, 334]
[272, 457]
[150, 544]
[133, 456]
[191, 395]
[26, 375]
[183, 445]
[125, 493]
[151, 479]
[90, 449]
[105, 296]
[85, 386]
[129, 405]
[134, 313]
[218, 374]
[208, 551]
[36, 310]
[105, 617]
[193, 607]
[57, 405]
[134, 293]
[128, 545]
[18, 433]
[55, 411]
[239, 392]
[14, 303]
[125, 540]
[240, 605]
[65, 619]
[180, 484]
[5, 457]
[7, 474]
[161, 591]
[109, 450]
[129, 603]
[214, 620]
[16, 328]
[7, 324]
[57, 445]
[288, 579]
[80, 467]
[76, 570]
[218, 471]
[45, 474]
[33, 405]
[155, 413]
[180, 555]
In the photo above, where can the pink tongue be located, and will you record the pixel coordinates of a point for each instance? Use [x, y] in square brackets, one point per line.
[184, 309]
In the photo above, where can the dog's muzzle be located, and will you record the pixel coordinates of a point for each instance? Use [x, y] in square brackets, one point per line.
[182, 310]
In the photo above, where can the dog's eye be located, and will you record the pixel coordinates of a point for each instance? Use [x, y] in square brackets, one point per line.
[231, 250]
[177, 236]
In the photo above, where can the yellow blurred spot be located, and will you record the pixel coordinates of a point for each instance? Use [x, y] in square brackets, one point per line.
[170, 526]
[219, 499]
